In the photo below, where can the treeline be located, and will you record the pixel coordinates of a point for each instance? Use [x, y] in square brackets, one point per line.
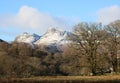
[100, 45]
[94, 50]
[22, 60]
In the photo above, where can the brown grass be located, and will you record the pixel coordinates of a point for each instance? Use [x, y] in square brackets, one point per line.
[66, 79]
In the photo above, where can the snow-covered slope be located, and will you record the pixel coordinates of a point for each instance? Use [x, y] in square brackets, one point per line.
[27, 38]
[53, 36]
[54, 39]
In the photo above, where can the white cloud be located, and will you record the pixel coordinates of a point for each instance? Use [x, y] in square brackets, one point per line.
[109, 14]
[29, 18]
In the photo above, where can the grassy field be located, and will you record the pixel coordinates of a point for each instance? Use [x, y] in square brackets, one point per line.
[65, 79]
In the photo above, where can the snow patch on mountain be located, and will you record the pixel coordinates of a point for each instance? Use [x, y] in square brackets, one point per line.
[53, 36]
[27, 38]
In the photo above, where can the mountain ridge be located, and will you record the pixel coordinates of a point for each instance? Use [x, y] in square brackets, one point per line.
[54, 38]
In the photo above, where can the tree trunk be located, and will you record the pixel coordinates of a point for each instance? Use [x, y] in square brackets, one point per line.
[115, 66]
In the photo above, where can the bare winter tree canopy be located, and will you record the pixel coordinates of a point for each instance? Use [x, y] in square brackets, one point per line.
[113, 29]
[87, 38]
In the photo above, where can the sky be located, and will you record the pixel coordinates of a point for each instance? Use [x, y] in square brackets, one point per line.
[36, 16]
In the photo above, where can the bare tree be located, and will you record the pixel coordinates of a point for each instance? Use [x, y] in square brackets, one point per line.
[87, 38]
[113, 29]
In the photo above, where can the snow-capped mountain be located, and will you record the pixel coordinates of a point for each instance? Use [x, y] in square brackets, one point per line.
[27, 38]
[53, 36]
[54, 39]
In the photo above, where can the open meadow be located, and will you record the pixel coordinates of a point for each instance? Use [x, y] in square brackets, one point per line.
[65, 79]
